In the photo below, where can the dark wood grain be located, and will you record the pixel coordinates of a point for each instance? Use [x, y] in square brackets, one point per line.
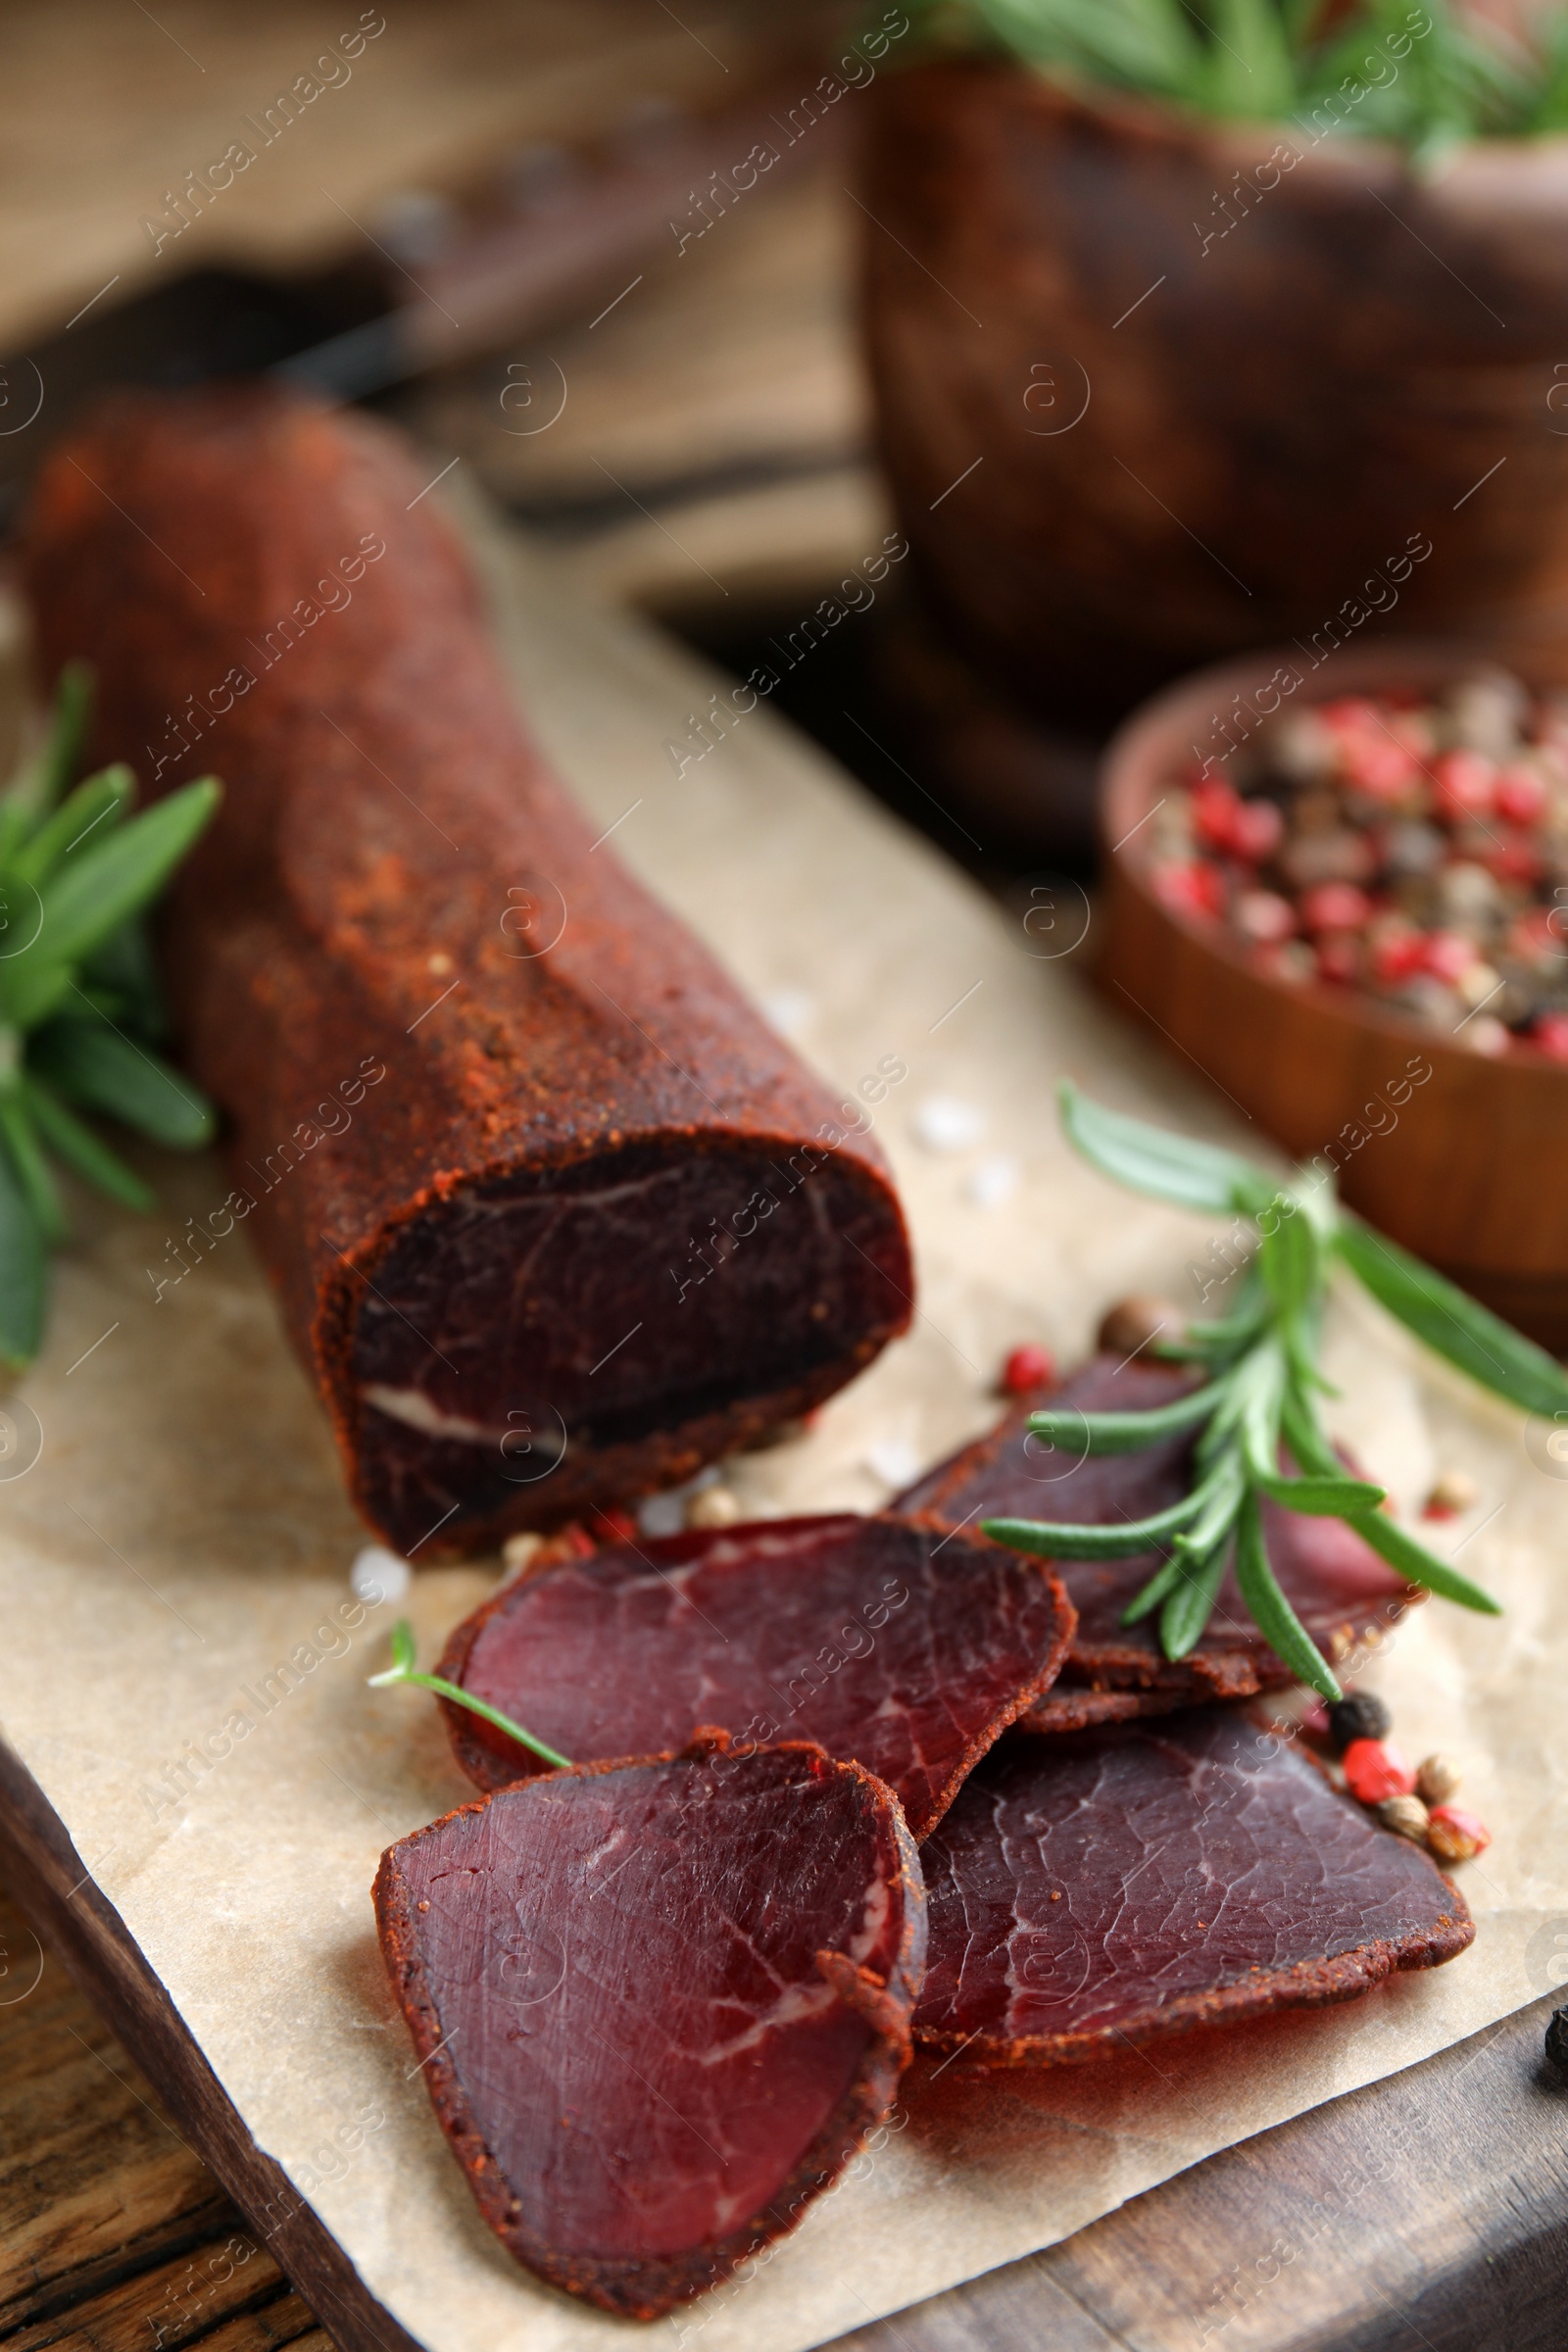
[1152, 388]
[1430, 2210]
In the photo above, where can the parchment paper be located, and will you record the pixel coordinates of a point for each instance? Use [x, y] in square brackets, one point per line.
[183, 1533]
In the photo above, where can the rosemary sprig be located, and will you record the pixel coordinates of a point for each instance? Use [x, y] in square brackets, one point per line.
[1258, 1402]
[78, 1007]
[1428, 75]
[403, 1670]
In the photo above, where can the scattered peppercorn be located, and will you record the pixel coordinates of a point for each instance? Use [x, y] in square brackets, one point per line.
[1454, 1836]
[1026, 1368]
[1132, 1325]
[614, 1527]
[713, 1507]
[1414, 850]
[1557, 2039]
[1435, 1778]
[1453, 1492]
[1375, 1769]
[1406, 1816]
[1358, 1716]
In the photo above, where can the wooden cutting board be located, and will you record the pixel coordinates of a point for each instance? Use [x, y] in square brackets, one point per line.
[186, 1503]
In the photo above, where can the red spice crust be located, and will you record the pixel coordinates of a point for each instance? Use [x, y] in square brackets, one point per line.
[1074, 1707]
[480, 1758]
[380, 798]
[1308, 1984]
[648, 2288]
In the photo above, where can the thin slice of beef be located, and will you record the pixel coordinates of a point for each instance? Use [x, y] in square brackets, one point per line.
[1338, 1587]
[1102, 1889]
[658, 2004]
[895, 1645]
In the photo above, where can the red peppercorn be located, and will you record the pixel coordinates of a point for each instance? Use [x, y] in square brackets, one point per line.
[1516, 860]
[1378, 766]
[1397, 950]
[1335, 906]
[1256, 830]
[1375, 1769]
[1190, 889]
[1264, 916]
[1339, 957]
[1352, 717]
[1445, 955]
[1467, 784]
[1028, 1369]
[1521, 796]
[1550, 1034]
[1215, 809]
[1455, 1834]
[614, 1527]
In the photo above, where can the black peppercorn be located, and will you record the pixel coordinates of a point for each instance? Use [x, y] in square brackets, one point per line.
[1359, 1717]
[1557, 2039]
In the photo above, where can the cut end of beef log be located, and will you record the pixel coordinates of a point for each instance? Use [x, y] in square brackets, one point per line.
[894, 1645]
[1340, 1588]
[1099, 1891]
[553, 1217]
[658, 2004]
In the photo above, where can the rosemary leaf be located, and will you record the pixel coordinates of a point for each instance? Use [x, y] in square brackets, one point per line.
[402, 1670]
[1068, 1539]
[1165, 1166]
[1451, 1323]
[114, 878]
[1323, 1498]
[1125, 1433]
[1420, 1566]
[1154, 1591]
[79, 1149]
[24, 1273]
[97, 1067]
[28, 1165]
[1273, 1614]
[1190, 1602]
[89, 812]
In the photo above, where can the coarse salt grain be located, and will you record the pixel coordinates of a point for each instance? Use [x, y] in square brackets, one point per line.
[946, 1123]
[994, 1182]
[379, 1575]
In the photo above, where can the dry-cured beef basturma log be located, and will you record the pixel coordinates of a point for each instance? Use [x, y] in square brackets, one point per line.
[518, 1153]
[1091, 1891]
[1337, 1585]
[892, 1645]
[658, 2004]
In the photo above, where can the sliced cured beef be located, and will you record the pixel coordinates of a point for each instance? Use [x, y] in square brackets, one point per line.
[1091, 1891]
[657, 2004]
[1337, 1585]
[893, 1645]
[553, 1217]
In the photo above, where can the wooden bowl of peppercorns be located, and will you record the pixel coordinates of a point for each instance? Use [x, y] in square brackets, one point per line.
[1338, 882]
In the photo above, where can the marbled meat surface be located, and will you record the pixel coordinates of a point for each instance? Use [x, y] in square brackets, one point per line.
[1102, 1889]
[658, 2004]
[893, 1645]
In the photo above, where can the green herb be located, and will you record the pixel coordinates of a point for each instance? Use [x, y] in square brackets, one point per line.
[78, 1007]
[402, 1670]
[1424, 73]
[1259, 1399]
